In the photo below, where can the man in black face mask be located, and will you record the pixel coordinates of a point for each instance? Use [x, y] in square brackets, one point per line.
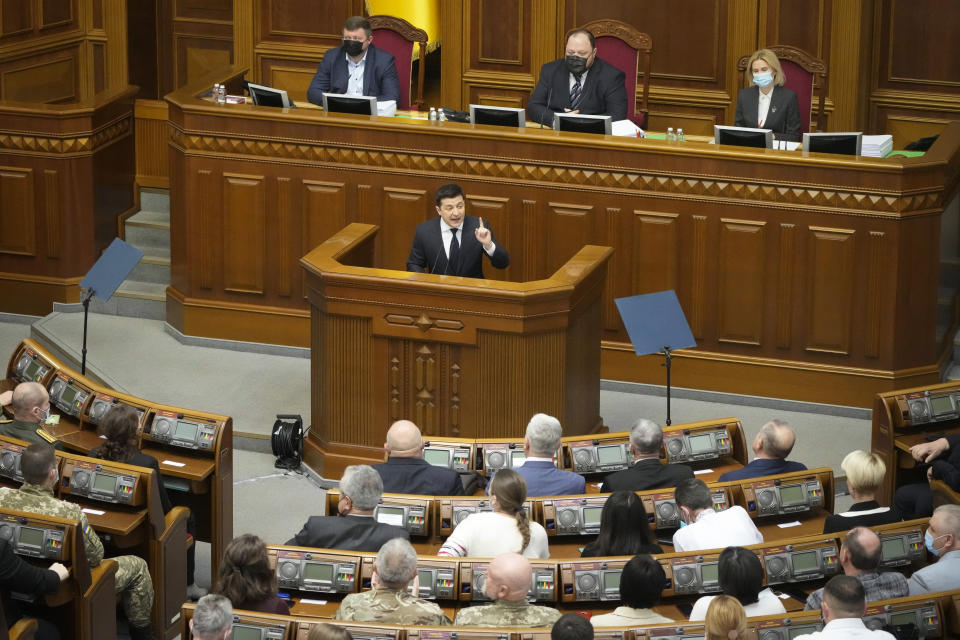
[580, 82]
[356, 67]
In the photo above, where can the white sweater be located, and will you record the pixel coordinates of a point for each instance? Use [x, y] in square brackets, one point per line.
[488, 534]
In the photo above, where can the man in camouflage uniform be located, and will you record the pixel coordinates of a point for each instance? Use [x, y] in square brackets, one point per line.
[507, 582]
[38, 464]
[389, 601]
[30, 404]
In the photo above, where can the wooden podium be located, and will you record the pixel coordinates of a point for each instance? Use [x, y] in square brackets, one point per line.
[458, 356]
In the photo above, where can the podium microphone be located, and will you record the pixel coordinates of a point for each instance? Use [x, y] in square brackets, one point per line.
[433, 269]
[544, 114]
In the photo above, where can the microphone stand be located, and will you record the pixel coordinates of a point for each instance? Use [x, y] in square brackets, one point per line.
[86, 312]
[668, 356]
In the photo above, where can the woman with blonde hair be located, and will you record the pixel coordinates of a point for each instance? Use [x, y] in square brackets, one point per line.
[767, 104]
[865, 472]
[726, 619]
[506, 529]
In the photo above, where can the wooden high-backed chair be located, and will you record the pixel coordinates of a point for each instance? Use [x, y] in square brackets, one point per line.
[397, 37]
[622, 45]
[805, 74]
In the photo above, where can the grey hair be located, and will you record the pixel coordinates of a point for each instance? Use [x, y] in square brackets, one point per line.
[396, 563]
[951, 516]
[544, 433]
[771, 432]
[646, 436]
[363, 485]
[212, 617]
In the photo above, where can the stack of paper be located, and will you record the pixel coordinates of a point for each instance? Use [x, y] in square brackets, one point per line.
[876, 146]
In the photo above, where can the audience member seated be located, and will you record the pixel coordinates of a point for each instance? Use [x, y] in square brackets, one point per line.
[356, 67]
[539, 470]
[942, 539]
[771, 447]
[405, 470]
[212, 618]
[740, 574]
[646, 438]
[388, 600]
[119, 428]
[725, 619]
[704, 528]
[943, 455]
[327, 631]
[624, 528]
[23, 577]
[843, 607]
[247, 579]
[641, 583]
[360, 491]
[38, 464]
[30, 405]
[506, 529]
[571, 626]
[507, 583]
[860, 556]
[865, 472]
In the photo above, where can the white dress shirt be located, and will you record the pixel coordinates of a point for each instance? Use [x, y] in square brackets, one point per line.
[767, 604]
[355, 73]
[718, 530]
[447, 236]
[629, 617]
[846, 629]
[763, 108]
[573, 81]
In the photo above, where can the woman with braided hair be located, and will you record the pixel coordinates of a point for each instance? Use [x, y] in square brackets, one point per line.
[506, 529]
[247, 579]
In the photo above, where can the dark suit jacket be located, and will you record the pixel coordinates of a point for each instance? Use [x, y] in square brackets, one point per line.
[379, 75]
[22, 577]
[544, 479]
[427, 254]
[647, 474]
[603, 93]
[783, 117]
[417, 476]
[352, 533]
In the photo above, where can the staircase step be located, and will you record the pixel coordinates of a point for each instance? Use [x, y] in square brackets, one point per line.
[151, 219]
[143, 290]
[148, 239]
[153, 267]
[155, 201]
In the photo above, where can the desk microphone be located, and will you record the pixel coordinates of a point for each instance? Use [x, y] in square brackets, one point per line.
[544, 114]
[433, 269]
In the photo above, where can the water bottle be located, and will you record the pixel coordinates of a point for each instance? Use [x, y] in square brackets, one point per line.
[441, 115]
[680, 135]
[670, 134]
[222, 95]
[216, 92]
[433, 114]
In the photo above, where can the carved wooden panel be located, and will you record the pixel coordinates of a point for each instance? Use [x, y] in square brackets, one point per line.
[786, 273]
[912, 41]
[55, 13]
[206, 234]
[830, 280]
[696, 307]
[17, 212]
[799, 23]
[402, 210]
[207, 10]
[47, 77]
[305, 20]
[500, 35]
[16, 17]
[571, 226]
[293, 76]
[287, 261]
[51, 198]
[99, 67]
[498, 97]
[741, 281]
[244, 227]
[324, 212]
[656, 252]
[197, 56]
[349, 345]
[153, 165]
[495, 211]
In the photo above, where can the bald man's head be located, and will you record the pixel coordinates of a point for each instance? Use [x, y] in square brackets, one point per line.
[775, 440]
[30, 402]
[508, 577]
[860, 552]
[404, 440]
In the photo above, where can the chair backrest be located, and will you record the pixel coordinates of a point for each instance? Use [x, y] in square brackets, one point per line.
[805, 74]
[622, 46]
[397, 36]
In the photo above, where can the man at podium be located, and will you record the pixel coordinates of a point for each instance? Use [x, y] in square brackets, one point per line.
[454, 243]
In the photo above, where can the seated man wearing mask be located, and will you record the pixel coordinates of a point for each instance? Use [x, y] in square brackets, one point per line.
[579, 83]
[356, 67]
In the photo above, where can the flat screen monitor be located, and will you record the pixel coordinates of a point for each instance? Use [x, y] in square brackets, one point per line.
[498, 116]
[438, 457]
[845, 143]
[342, 103]
[581, 123]
[743, 136]
[268, 96]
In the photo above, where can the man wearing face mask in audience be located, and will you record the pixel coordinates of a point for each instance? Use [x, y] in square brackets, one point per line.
[30, 405]
[580, 82]
[356, 67]
[942, 539]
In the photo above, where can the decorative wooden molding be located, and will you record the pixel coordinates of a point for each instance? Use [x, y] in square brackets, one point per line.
[632, 36]
[809, 62]
[401, 26]
[84, 143]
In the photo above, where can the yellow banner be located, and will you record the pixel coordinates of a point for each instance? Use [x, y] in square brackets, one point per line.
[423, 14]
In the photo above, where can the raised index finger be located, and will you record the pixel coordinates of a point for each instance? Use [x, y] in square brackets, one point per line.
[481, 223]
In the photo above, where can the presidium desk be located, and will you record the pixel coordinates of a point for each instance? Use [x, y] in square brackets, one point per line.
[812, 277]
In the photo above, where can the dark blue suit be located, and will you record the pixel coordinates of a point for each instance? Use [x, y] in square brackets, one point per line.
[763, 467]
[379, 75]
[352, 533]
[604, 92]
[544, 479]
[419, 477]
[427, 254]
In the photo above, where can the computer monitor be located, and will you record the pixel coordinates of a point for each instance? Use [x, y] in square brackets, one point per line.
[845, 143]
[743, 136]
[342, 103]
[581, 123]
[498, 116]
[268, 96]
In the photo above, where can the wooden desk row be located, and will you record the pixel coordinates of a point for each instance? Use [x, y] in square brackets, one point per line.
[194, 448]
[935, 615]
[806, 496]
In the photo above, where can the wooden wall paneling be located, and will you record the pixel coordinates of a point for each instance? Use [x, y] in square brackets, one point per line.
[699, 265]
[202, 38]
[57, 13]
[850, 38]
[244, 235]
[352, 360]
[209, 257]
[16, 18]
[786, 274]
[743, 16]
[495, 211]
[145, 30]
[99, 67]
[51, 76]
[287, 251]
[18, 214]
[616, 233]
[876, 247]
[200, 55]
[152, 131]
[532, 246]
[117, 69]
[830, 289]
[571, 226]
[741, 276]
[656, 252]
[204, 10]
[292, 75]
[402, 210]
[455, 32]
[804, 24]
[51, 200]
